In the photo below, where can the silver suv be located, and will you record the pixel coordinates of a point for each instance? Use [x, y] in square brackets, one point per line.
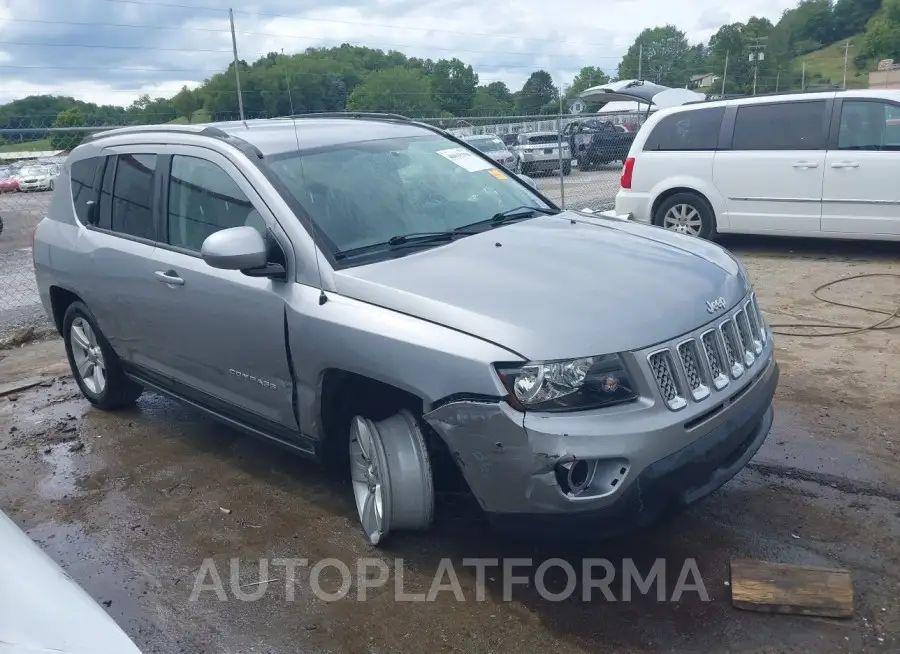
[374, 293]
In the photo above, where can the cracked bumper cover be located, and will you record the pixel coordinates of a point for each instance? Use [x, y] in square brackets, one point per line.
[508, 458]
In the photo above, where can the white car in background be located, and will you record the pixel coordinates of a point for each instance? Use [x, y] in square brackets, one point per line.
[42, 609]
[493, 147]
[540, 152]
[37, 178]
[803, 164]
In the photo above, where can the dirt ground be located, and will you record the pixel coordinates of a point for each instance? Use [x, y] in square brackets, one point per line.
[132, 503]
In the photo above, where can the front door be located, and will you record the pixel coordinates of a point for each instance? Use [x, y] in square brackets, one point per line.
[771, 176]
[861, 195]
[221, 333]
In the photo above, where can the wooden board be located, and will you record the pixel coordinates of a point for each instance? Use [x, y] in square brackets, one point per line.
[22, 385]
[797, 589]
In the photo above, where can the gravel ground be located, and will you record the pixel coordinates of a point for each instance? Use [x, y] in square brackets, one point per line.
[131, 504]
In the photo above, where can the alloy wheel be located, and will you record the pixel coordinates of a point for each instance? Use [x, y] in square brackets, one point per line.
[89, 363]
[684, 219]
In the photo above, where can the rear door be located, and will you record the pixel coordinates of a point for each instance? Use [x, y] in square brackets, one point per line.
[770, 171]
[861, 194]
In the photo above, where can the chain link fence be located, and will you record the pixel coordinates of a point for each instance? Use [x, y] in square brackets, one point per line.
[575, 161]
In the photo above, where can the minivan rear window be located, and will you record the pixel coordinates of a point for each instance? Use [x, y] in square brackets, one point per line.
[780, 126]
[697, 129]
[543, 138]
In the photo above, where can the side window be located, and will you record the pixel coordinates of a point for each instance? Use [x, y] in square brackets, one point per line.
[781, 126]
[869, 126]
[697, 129]
[82, 175]
[204, 199]
[132, 195]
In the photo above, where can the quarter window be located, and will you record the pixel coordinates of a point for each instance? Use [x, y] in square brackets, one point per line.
[82, 175]
[867, 125]
[697, 129]
[132, 196]
[204, 199]
[780, 126]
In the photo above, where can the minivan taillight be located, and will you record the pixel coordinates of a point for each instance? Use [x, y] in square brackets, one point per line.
[627, 171]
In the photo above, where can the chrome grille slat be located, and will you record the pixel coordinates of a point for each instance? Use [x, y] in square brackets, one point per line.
[760, 321]
[732, 348]
[664, 374]
[749, 325]
[714, 359]
[693, 369]
[745, 340]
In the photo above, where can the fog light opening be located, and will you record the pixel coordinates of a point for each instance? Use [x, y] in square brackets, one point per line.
[575, 477]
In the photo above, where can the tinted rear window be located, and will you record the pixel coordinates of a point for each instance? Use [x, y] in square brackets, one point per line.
[132, 198]
[543, 138]
[82, 184]
[781, 126]
[687, 130]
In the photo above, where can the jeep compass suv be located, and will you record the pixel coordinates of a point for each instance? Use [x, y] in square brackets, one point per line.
[374, 293]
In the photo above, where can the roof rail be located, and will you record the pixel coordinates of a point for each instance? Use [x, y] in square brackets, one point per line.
[350, 114]
[741, 96]
[197, 130]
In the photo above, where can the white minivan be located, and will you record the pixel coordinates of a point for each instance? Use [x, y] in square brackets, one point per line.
[803, 164]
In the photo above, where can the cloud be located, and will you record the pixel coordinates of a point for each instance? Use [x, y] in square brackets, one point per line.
[111, 51]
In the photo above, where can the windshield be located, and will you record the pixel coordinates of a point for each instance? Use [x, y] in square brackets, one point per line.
[33, 172]
[486, 143]
[543, 138]
[362, 194]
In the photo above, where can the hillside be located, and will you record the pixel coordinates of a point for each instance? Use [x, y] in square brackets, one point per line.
[826, 65]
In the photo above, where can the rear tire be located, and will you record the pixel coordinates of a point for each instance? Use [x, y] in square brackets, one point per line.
[686, 213]
[95, 366]
[567, 168]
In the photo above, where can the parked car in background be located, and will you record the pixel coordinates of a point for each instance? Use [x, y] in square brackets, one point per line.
[8, 181]
[36, 178]
[805, 164]
[540, 152]
[44, 610]
[596, 142]
[493, 147]
[509, 140]
[370, 292]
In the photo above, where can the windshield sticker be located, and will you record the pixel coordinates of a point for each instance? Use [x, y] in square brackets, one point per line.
[465, 159]
[498, 174]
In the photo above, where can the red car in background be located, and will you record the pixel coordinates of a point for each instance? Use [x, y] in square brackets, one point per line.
[8, 182]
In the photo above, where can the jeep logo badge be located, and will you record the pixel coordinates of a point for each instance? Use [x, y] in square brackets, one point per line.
[718, 304]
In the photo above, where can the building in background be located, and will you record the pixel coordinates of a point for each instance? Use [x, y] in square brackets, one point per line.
[886, 76]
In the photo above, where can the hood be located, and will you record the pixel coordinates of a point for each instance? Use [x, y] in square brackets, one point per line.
[557, 287]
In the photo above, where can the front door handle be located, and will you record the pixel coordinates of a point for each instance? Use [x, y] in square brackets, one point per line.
[806, 164]
[845, 164]
[169, 277]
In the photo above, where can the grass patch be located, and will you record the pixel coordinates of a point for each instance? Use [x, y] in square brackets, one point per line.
[27, 146]
[827, 65]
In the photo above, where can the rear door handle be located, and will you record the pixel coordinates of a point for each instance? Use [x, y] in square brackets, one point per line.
[169, 277]
[806, 164]
[845, 164]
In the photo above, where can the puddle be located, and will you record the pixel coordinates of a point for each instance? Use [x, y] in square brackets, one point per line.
[62, 481]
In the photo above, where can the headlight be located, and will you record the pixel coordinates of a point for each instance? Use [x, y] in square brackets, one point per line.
[568, 385]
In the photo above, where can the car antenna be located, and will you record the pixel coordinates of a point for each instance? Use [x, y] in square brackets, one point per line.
[322, 297]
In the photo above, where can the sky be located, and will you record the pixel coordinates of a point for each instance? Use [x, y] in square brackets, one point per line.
[112, 51]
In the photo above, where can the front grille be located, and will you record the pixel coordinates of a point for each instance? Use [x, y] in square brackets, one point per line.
[704, 362]
[760, 322]
[661, 365]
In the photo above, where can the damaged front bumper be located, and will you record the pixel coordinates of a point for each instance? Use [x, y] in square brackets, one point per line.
[643, 458]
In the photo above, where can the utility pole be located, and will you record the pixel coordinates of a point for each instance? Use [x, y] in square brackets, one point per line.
[846, 55]
[757, 55]
[640, 60]
[803, 78]
[777, 79]
[559, 129]
[237, 70]
[724, 74]
[287, 81]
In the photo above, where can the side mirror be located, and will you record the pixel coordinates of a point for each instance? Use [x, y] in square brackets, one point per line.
[236, 248]
[529, 181]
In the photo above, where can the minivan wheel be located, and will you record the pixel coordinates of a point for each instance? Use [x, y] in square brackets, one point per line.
[94, 364]
[686, 213]
[391, 475]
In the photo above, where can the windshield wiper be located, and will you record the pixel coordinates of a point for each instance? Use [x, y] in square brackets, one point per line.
[403, 241]
[510, 215]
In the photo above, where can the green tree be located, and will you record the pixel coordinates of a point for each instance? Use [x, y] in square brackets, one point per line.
[453, 84]
[851, 16]
[659, 54]
[586, 78]
[501, 92]
[68, 139]
[882, 37]
[395, 90]
[486, 104]
[537, 92]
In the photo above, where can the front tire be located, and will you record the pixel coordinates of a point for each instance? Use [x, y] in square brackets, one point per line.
[390, 471]
[686, 213]
[95, 366]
